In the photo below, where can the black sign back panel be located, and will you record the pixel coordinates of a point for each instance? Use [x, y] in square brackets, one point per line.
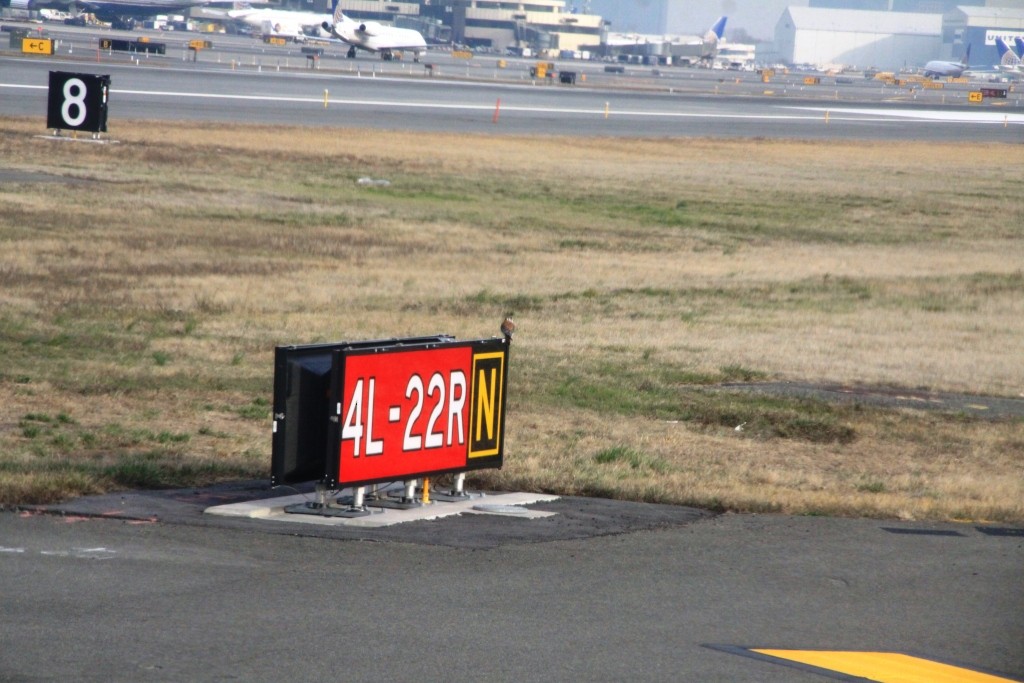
[77, 102]
[302, 406]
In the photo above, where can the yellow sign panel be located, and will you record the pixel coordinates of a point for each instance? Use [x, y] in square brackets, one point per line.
[462, 54]
[975, 97]
[486, 407]
[884, 667]
[37, 46]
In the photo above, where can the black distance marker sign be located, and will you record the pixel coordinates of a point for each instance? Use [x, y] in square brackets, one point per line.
[77, 102]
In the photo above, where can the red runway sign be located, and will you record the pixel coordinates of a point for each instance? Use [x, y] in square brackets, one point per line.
[403, 414]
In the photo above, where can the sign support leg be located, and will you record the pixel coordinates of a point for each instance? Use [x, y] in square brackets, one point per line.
[456, 493]
[358, 499]
[357, 507]
[324, 509]
[406, 501]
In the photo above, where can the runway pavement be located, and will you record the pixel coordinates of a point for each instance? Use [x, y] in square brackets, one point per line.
[244, 81]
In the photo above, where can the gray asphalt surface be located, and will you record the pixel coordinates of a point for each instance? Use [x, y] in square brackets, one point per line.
[602, 591]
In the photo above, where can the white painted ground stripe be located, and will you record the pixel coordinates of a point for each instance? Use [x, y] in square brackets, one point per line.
[319, 99]
[924, 115]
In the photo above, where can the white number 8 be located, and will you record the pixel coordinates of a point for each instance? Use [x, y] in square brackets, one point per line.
[74, 100]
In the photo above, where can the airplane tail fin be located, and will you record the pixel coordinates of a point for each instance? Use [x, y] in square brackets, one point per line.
[1007, 57]
[967, 56]
[1019, 42]
[339, 16]
[1002, 48]
[716, 31]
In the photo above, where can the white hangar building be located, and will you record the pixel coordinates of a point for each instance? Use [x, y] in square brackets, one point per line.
[883, 40]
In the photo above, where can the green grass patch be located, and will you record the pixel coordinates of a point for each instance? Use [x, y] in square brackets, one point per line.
[634, 459]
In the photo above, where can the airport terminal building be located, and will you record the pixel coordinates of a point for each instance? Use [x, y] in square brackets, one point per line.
[497, 24]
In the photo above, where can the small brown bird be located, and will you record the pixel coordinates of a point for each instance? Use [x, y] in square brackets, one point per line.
[508, 328]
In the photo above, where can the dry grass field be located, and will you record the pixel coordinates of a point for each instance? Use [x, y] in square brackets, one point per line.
[144, 285]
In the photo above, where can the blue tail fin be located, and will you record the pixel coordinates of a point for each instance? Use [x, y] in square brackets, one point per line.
[718, 28]
[1019, 42]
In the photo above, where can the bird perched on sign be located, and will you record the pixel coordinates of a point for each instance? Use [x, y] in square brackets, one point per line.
[508, 328]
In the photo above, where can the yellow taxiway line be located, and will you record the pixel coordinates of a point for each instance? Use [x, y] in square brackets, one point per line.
[884, 667]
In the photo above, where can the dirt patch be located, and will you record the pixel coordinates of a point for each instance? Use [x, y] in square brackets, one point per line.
[990, 407]
[14, 175]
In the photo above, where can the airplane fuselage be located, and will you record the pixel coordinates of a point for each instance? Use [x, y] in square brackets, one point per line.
[389, 39]
[940, 68]
[285, 23]
[374, 37]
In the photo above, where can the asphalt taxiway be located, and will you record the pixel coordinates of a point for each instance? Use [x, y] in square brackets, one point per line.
[241, 80]
[144, 586]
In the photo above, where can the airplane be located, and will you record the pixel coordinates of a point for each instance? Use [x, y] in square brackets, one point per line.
[374, 37]
[1019, 42]
[685, 49]
[712, 37]
[707, 45]
[1008, 59]
[120, 13]
[282, 23]
[938, 67]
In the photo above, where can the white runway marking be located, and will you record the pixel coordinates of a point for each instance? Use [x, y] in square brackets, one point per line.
[932, 115]
[82, 553]
[834, 114]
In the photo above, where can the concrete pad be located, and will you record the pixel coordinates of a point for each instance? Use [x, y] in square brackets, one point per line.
[502, 504]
